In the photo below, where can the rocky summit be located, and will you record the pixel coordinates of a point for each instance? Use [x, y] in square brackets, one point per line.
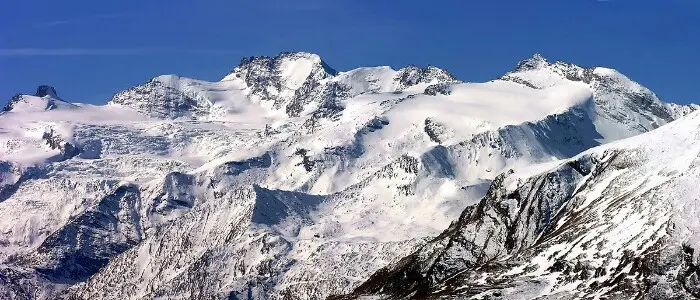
[288, 179]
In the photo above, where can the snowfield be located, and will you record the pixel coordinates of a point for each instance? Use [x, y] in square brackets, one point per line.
[288, 179]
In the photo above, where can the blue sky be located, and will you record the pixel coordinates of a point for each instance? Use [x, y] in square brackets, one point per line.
[89, 50]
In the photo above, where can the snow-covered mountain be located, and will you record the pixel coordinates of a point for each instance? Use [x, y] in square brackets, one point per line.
[44, 99]
[619, 221]
[284, 180]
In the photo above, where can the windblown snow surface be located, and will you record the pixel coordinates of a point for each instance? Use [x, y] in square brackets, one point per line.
[288, 179]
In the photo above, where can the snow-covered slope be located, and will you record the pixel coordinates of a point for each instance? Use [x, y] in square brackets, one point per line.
[285, 180]
[618, 221]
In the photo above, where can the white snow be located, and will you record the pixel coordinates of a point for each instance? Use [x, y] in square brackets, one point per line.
[295, 71]
[376, 79]
[477, 107]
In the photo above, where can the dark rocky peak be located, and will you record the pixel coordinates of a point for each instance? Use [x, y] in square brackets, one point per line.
[157, 99]
[46, 90]
[412, 75]
[441, 75]
[409, 75]
[535, 62]
[567, 70]
[254, 63]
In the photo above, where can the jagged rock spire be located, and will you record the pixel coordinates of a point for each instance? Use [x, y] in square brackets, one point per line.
[46, 90]
[534, 62]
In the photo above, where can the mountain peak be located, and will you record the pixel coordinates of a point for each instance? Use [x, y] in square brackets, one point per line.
[312, 57]
[535, 62]
[412, 75]
[161, 97]
[46, 90]
[44, 99]
[276, 62]
[439, 73]
[286, 79]
[299, 55]
[538, 56]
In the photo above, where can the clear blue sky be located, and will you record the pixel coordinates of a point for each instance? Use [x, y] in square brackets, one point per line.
[91, 49]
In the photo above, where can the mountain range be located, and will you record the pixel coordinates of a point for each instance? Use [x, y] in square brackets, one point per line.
[288, 179]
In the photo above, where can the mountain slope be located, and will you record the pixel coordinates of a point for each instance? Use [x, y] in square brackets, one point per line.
[287, 179]
[617, 221]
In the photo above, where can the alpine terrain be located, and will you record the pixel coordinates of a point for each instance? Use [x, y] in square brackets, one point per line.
[288, 179]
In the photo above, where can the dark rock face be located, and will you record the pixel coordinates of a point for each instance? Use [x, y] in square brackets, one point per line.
[375, 124]
[11, 104]
[89, 240]
[576, 73]
[259, 74]
[412, 75]
[306, 160]
[689, 277]
[45, 90]
[158, 100]
[439, 88]
[237, 167]
[17, 285]
[55, 141]
[434, 130]
[327, 96]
